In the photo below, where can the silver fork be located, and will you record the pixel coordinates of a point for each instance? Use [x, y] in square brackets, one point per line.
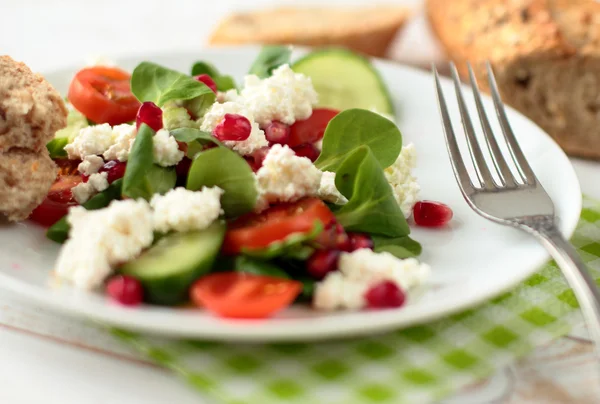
[522, 204]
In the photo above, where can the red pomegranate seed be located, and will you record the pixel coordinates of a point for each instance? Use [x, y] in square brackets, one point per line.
[322, 262]
[307, 150]
[233, 127]
[385, 294]
[125, 290]
[85, 177]
[431, 214]
[183, 146]
[114, 170]
[334, 237]
[360, 240]
[277, 132]
[206, 79]
[150, 114]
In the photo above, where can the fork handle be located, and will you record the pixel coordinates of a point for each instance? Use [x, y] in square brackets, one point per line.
[576, 273]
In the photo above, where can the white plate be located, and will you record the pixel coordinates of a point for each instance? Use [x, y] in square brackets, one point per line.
[473, 260]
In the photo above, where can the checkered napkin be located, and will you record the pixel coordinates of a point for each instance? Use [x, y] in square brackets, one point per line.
[416, 365]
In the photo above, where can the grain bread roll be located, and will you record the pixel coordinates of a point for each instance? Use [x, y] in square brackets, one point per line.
[368, 30]
[545, 55]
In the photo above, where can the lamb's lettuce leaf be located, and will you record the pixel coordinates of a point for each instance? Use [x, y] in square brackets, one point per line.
[354, 128]
[269, 59]
[371, 206]
[142, 177]
[223, 82]
[401, 247]
[255, 266]
[227, 170]
[152, 82]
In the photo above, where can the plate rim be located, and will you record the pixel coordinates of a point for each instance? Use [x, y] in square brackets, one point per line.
[230, 331]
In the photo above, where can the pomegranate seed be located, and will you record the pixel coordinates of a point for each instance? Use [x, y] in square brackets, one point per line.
[360, 240]
[233, 127]
[150, 114]
[383, 295]
[85, 177]
[307, 150]
[206, 79]
[256, 159]
[431, 214]
[322, 262]
[125, 290]
[334, 237]
[183, 167]
[114, 170]
[277, 132]
[183, 146]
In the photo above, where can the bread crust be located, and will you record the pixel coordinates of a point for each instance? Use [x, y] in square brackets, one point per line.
[368, 30]
[545, 55]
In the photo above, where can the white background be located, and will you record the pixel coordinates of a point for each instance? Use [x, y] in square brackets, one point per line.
[50, 34]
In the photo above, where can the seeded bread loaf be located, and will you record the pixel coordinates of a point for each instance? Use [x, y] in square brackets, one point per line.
[368, 30]
[545, 55]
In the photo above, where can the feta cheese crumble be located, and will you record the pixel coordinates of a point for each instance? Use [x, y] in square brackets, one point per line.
[184, 210]
[90, 140]
[328, 191]
[101, 239]
[166, 149]
[285, 177]
[90, 165]
[285, 96]
[359, 271]
[122, 140]
[404, 184]
[214, 116]
[83, 191]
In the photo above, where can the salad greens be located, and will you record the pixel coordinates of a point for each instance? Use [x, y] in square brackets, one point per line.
[401, 247]
[295, 246]
[226, 169]
[142, 177]
[354, 128]
[223, 82]
[151, 82]
[258, 267]
[189, 135]
[75, 122]
[269, 59]
[59, 231]
[371, 206]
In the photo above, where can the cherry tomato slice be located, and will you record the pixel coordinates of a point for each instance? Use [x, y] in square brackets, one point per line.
[276, 223]
[103, 95]
[57, 202]
[242, 295]
[311, 130]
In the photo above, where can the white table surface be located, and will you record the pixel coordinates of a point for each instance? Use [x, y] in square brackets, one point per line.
[45, 358]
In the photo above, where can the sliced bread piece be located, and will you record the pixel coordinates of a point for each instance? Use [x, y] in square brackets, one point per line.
[368, 30]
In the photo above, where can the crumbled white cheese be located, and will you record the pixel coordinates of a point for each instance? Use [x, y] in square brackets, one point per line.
[90, 165]
[83, 191]
[99, 240]
[214, 116]
[359, 271]
[99, 60]
[122, 140]
[285, 96]
[404, 184]
[319, 144]
[166, 149]
[327, 190]
[91, 140]
[229, 95]
[285, 177]
[184, 210]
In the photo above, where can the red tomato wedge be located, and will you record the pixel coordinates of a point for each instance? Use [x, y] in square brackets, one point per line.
[311, 130]
[57, 202]
[103, 95]
[242, 295]
[276, 223]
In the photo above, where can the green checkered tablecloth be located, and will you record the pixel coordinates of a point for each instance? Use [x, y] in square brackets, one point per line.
[416, 365]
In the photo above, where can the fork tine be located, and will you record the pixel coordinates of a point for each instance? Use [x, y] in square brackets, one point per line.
[518, 157]
[458, 164]
[481, 168]
[506, 176]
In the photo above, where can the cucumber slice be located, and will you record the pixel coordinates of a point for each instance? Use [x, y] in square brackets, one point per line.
[344, 79]
[167, 269]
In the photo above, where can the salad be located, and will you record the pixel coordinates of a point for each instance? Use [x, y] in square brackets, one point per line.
[293, 187]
